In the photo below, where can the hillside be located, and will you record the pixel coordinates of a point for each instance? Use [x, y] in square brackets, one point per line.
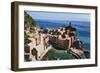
[29, 21]
[29, 25]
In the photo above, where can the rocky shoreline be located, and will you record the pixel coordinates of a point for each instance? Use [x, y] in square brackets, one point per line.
[39, 42]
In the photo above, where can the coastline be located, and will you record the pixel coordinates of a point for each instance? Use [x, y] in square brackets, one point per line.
[66, 38]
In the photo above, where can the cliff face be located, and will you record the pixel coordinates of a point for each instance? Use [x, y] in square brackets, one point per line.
[32, 40]
[29, 21]
[30, 27]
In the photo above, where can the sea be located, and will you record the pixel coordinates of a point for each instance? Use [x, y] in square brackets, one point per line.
[83, 29]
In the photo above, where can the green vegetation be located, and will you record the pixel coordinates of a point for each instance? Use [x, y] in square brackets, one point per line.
[26, 40]
[29, 21]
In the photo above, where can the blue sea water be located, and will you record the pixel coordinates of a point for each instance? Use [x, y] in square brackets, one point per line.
[83, 29]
